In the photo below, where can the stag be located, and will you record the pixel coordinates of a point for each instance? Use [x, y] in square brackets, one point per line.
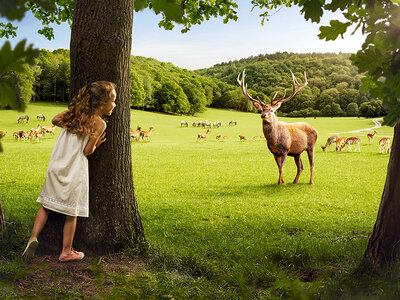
[285, 139]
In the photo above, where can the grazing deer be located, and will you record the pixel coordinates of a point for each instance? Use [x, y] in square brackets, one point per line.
[21, 118]
[217, 138]
[285, 139]
[135, 134]
[49, 129]
[2, 134]
[329, 142]
[352, 141]
[255, 137]
[242, 138]
[384, 143]
[339, 142]
[146, 134]
[41, 117]
[233, 123]
[371, 136]
[203, 135]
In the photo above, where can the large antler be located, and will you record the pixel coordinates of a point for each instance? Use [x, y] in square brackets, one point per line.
[244, 89]
[295, 90]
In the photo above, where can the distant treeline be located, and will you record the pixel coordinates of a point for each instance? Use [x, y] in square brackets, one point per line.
[333, 88]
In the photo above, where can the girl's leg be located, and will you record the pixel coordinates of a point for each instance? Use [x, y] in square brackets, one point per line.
[68, 234]
[40, 221]
[68, 254]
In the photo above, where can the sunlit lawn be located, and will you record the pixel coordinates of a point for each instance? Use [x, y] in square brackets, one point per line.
[212, 211]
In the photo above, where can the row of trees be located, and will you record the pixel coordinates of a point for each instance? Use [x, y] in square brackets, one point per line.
[333, 88]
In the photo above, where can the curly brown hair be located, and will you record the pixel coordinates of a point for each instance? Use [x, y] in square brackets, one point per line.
[79, 118]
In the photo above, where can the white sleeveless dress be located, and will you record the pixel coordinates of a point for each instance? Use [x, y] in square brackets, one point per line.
[66, 187]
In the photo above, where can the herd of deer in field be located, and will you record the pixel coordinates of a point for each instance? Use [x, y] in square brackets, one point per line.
[341, 142]
[33, 133]
[30, 134]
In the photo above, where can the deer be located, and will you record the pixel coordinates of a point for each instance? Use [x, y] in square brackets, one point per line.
[329, 142]
[48, 129]
[242, 138]
[21, 119]
[2, 134]
[41, 117]
[232, 123]
[218, 137]
[384, 143]
[285, 139]
[371, 136]
[136, 133]
[146, 134]
[203, 135]
[352, 141]
[339, 142]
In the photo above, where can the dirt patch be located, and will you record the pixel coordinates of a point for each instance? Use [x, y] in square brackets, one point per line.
[49, 278]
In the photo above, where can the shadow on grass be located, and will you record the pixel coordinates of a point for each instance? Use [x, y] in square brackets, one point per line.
[238, 191]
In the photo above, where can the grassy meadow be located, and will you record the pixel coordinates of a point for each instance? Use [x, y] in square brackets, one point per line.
[217, 224]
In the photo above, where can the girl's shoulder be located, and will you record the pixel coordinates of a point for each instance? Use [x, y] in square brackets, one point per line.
[99, 124]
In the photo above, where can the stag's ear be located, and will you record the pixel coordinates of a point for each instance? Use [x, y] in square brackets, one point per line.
[257, 104]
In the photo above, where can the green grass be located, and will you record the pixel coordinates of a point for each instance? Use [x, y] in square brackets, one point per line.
[217, 223]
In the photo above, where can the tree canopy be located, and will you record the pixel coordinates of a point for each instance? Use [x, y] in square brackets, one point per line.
[378, 20]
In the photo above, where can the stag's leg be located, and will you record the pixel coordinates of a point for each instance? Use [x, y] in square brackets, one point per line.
[300, 168]
[310, 153]
[280, 161]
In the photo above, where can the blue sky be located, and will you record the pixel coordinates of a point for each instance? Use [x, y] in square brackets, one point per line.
[211, 42]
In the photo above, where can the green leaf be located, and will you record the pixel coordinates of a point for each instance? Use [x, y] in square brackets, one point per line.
[312, 9]
[7, 30]
[11, 62]
[330, 33]
[369, 60]
[338, 4]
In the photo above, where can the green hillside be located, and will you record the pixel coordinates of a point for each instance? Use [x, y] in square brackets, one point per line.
[334, 83]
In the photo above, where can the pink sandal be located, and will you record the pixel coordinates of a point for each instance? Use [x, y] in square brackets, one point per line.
[73, 256]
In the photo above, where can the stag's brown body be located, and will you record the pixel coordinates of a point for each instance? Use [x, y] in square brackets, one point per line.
[290, 139]
[285, 139]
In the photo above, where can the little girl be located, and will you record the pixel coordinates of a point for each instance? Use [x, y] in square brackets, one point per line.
[66, 187]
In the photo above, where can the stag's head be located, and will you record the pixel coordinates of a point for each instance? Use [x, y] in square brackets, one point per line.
[268, 110]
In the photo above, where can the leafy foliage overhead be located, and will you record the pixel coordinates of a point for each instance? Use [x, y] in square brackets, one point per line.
[184, 12]
[12, 62]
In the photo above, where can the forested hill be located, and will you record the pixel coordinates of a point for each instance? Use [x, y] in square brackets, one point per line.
[333, 82]
[333, 88]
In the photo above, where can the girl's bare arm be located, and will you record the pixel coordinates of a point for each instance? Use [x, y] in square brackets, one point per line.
[57, 118]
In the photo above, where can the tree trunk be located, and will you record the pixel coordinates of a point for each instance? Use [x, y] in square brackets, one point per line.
[383, 246]
[100, 49]
[2, 220]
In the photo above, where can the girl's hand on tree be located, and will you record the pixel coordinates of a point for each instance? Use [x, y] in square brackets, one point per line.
[101, 139]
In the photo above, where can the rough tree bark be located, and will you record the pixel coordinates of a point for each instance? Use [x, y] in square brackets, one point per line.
[100, 49]
[384, 245]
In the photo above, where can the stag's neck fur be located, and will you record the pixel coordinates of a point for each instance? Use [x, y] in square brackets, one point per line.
[271, 133]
